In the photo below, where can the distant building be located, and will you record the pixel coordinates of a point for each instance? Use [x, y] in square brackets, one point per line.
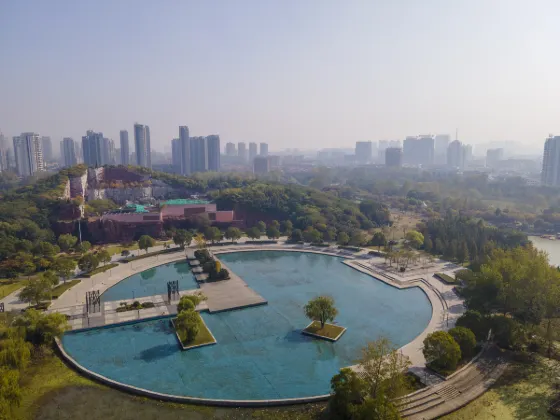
[264, 149]
[273, 162]
[384, 145]
[242, 151]
[419, 150]
[467, 153]
[46, 145]
[393, 157]
[68, 151]
[108, 152]
[142, 145]
[3, 153]
[92, 149]
[252, 151]
[213, 150]
[230, 149]
[261, 165]
[455, 155]
[125, 148]
[28, 154]
[440, 149]
[551, 162]
[364, 151]
[176, 155]
[199, 154]
[493, 157]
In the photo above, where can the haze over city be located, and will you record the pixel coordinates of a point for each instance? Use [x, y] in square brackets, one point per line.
[309, 74]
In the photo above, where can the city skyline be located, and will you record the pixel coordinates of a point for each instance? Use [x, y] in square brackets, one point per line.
[284, 87]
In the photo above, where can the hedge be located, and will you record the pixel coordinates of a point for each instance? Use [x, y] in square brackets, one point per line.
[445, 278]
[99, 270]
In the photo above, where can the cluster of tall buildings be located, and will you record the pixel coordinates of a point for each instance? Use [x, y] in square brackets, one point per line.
[195, 154]
[256, 155]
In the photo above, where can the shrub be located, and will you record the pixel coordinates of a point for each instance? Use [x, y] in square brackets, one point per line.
[441, 351]
[185, 304]
[508, 333]
[476, 322]
[466, 340]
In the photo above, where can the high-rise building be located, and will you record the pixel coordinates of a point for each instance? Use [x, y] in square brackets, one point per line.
[467, 153]
[242, 151]
[176, 155]
[252, 151]
[185, 167]
[108, 152]
[125, 148]
[419, 150]
[456, 155]
[46, 145]
[440, 148]
[28, 154]
[230, 149]
[261, 165]
[493, 157]
[264, 149]
[393, 156]
[68, 151]
[363, 151]
[199, 154]
[213, 150]
[551, 161]
[93, 149]
[142, 145]
[3, 153]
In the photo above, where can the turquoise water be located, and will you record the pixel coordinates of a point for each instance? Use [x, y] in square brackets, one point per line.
[152, 282]
[261, 353]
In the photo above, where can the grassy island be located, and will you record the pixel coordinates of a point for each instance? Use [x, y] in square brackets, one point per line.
[203, 338]
[328, 332]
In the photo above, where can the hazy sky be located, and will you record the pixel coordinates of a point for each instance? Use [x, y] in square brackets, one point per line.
[294, 73]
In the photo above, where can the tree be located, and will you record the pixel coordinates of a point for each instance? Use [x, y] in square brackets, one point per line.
[83, 247]
[466, 340]
[343, 238]
[103, 256]
[50, 277]
[213, 234]
[200, 241]
[200, 221]
[15, 352]
[272, 232]
[10, 393]
[185, 304]
[287, 226]
[474, 321]
[462, 252]
[145, 242]
[275, 224]
[88, 262]
[414, 238]
[66, 242]
[428, 246]
[348, 390]
[321, 309]
[441, 351]
[358, 238]
[297, 236]
[188, 324]
[40, 328]
[233, 233]
[378, 240]
[194, 298]
[182, 238]
[36, 291]
[64, 267]
[253, 233]
[261, 226]
[312, 235]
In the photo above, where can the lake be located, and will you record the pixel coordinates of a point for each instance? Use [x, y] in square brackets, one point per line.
[552, 247]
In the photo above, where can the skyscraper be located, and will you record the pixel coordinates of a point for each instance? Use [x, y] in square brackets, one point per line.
[364, 151]
[264, 149]
[493, 157]
[93, 149]
[440, 149]
[455, 155]
[142, 145]
[46, 145]
[185, 167]
[551, 161]
[3, 153]
[125, 148]
[213, 150]
[242, 151]
[419, 150]
[68, 150]
[393, 156]
[28, 154]
[230, 149]
[252, 151]
[199, 154]
[176, 155]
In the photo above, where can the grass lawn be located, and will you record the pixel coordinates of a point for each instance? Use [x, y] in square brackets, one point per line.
[98, 270]
[445, 278]
[117, 249]
[203, 337]
[151, 254]
[523, 392]
[329, 330]
[8, 286]
[62, 287]
[53, 391]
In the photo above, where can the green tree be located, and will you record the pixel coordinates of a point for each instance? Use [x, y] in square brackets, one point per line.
[50, 277]
[146, 242]
[88, 262]
[348, 390]
[40, 328]
[297, 236]
[83, 247]
[428, 246]
[182, 238]
[233, 234]
[321, 309]
[272, 232]
[474, 321]
[462, 252]
[36, 291]
[358, 238]
[275, 224]
[253, 233]
[261, 226]
[66, 242]
[441, 351]
[343, 238]
[329, 235]
[415, 239]
[378, 240]
[64, 267]
[287, 226]
[185, 304]
[188, 324]
[103, 256]
[312, 235]
[213, 234]
[466, 340]
[10, 393]
[15, 352]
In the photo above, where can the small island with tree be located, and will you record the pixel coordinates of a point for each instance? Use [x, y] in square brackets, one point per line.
[320, 310]
[189, 326]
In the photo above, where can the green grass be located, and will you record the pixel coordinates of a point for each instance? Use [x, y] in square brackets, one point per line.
[117, 249]
[8, 286]
[152, 254]
[98, 270]
[328, 331]
[203, 337]
[445, 278]
[62, 287]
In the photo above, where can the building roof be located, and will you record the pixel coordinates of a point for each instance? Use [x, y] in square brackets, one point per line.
[183, 201]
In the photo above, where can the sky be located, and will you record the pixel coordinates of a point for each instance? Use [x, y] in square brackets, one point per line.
[294, 73]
